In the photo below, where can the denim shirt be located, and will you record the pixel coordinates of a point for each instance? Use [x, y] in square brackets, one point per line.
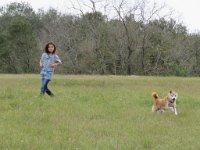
[48, 59]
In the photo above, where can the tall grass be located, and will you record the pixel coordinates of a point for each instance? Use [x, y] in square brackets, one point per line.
[97, 112]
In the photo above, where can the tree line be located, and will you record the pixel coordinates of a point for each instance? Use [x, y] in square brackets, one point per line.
[90, 43]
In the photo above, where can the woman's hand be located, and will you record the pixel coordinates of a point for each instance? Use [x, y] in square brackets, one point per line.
[41, 65]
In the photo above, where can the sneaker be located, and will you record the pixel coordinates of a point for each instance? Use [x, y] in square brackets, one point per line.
[41, 94]
[52, 95]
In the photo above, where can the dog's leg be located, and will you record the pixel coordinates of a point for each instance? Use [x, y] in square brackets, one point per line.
[161, 111]
[175, 111]
[153, 108]
[171, 109]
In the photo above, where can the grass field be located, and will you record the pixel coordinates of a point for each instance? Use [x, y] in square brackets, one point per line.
[97, 113]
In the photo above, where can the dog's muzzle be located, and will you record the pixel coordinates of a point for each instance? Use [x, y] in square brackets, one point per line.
[172, 100]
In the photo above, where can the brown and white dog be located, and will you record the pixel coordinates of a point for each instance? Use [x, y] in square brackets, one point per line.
[166, 103]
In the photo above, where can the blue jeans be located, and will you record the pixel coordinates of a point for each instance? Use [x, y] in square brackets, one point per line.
[44, 87]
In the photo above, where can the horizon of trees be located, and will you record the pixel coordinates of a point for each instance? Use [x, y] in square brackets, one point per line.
[138, 42]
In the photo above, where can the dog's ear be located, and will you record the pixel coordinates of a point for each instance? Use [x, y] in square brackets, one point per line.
[170, 91]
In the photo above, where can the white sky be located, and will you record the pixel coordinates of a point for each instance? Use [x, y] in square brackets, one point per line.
[186, 10]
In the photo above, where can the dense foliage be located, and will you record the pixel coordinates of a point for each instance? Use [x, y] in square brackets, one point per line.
[93, 44]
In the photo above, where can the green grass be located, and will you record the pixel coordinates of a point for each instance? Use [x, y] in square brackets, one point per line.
[97, 113]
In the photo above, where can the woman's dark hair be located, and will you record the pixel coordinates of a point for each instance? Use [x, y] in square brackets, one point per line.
[47, 46]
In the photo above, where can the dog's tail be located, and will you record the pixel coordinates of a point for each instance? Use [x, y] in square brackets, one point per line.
[155, 95]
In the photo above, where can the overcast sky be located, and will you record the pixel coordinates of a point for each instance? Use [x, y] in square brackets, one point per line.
[186, 10]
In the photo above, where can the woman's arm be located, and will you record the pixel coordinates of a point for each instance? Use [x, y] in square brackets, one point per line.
[57, 62]
[54, 65]
[40, 64]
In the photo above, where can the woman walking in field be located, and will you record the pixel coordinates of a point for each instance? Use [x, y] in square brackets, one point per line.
[48, 62]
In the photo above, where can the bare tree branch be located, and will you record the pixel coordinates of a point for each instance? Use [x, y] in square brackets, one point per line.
[75, 8]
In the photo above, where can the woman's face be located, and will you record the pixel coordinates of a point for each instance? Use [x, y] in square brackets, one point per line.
[50, 48]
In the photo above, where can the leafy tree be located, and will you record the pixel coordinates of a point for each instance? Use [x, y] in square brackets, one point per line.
[20, 45]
